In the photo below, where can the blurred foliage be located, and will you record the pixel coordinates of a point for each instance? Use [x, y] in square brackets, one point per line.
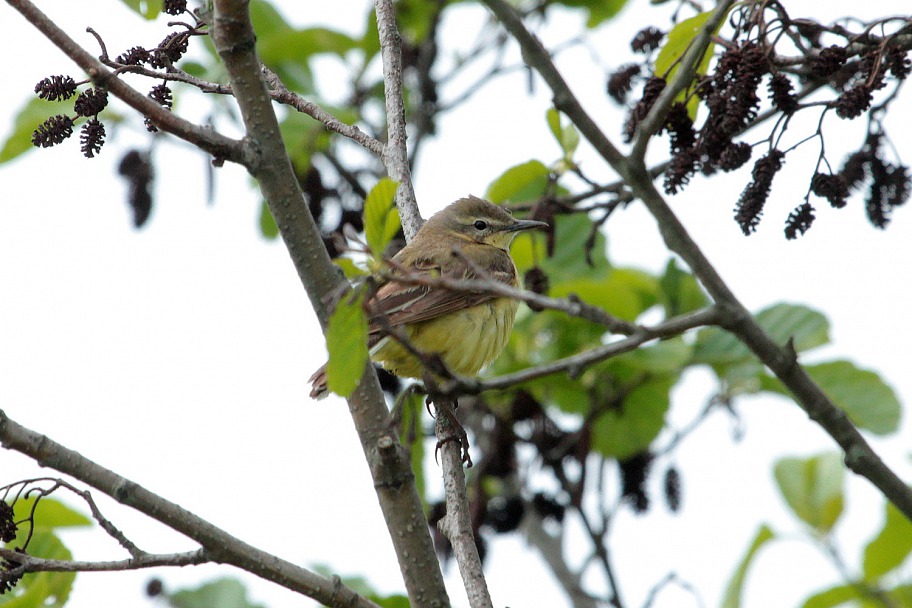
[38, 526]
[814, 491]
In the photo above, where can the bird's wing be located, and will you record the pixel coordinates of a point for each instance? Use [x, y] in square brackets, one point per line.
[398, 303]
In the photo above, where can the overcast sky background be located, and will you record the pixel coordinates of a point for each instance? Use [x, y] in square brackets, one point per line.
[178, 355]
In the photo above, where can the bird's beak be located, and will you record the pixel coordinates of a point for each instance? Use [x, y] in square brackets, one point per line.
[525, 225]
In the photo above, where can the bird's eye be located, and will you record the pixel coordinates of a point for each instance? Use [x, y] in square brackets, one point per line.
[480, 225]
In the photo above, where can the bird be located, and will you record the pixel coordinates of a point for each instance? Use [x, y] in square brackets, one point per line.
[467, 330]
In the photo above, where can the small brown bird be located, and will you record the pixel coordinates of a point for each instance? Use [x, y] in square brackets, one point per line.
[467, 330]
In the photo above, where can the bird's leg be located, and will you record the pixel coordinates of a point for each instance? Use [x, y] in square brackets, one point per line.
[449, 428]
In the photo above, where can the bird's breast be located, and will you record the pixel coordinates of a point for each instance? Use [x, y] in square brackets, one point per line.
[466, 340]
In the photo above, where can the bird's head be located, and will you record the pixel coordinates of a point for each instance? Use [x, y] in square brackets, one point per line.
[477, 220]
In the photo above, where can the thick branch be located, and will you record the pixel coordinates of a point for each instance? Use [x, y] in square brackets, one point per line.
[218, 545]
[205, 138]
[235, 42]
[859, 456]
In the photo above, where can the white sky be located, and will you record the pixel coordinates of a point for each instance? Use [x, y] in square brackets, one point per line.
[178, 356]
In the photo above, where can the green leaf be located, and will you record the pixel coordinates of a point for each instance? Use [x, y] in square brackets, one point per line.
[834, 596]
[42, 589]
[554, 123]
[381, 217]
[676, 44]
[32, 114]
[868, 401]
[668, 356]
[805, 326]
[890, 547]
[624, 293]
[349, 268]
[267, 21]
[629, 429]
[680, 293]
[569, 259]
[732, 598]
[412, 434]
[813, 488]
[519, 183]
[149, 9]
[346, 340]
[567, 136]
[224, 593]
[303, 44]
[599, 10]
[49, 514]
[268, 227]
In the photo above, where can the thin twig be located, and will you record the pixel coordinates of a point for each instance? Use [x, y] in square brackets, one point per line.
[396, 157]
[650, 125]
[220, 546]
[575, 364]
[29, 563]
[221, 147]
[859, 456]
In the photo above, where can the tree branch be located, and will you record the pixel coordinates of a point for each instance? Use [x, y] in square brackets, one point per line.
[859, 456]
[396, 157]
[217, 544]
[650, 125]
[28, 563]
[205, 138]
[575, 364]
[389, 463]
[550, 547]
[456, 525]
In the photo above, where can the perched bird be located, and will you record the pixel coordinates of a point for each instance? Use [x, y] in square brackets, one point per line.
[468, 239]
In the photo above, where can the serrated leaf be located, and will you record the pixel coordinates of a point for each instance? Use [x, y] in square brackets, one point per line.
[868, 401]
[890, 547]
[346, 340]
[813, 488]
[148, 9]
[224, 593]
[381, 217]
[620, 433]
[732, 597]
[268, 227]
[523, 182]
[30, 115]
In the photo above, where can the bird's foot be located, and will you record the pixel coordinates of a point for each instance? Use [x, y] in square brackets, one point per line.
[450, 429]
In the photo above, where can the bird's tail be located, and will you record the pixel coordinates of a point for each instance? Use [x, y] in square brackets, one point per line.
[318, 388]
